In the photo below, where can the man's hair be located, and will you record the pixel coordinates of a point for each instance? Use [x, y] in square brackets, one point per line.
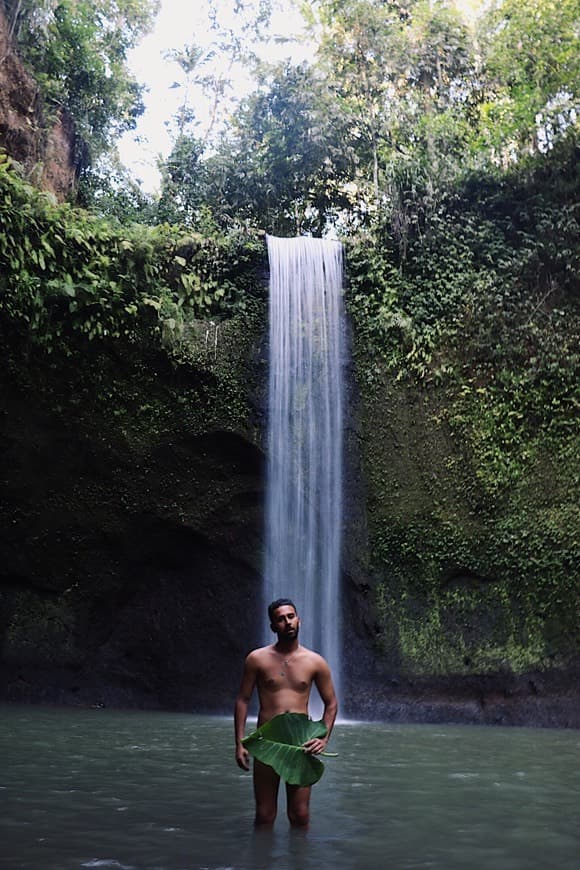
[279, 602]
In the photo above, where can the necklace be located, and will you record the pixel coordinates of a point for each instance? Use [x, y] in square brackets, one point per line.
[285, 663]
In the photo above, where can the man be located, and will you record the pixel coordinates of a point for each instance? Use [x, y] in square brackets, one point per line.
[283, 674]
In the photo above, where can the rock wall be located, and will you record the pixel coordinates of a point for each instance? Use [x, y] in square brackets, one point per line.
[41, 142]
[131, 515]
[131, 523]
[469, 609]
[131, 527]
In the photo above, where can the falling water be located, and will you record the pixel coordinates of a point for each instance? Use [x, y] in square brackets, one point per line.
[304, 484]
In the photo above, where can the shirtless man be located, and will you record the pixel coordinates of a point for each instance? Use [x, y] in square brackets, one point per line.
[283, 673]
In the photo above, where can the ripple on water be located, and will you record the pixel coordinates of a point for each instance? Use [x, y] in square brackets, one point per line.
[108, 862]
[463, 775]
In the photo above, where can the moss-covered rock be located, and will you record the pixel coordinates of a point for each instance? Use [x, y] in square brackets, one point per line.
[131, 519]
[467, 370]
[463, 587]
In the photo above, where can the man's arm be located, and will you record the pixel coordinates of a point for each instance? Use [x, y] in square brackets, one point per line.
[323, 682]
[241, 709]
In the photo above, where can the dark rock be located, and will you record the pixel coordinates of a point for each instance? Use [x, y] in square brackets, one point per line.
[131, 570]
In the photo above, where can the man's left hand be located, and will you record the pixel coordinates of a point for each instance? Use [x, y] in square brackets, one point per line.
[315, 746]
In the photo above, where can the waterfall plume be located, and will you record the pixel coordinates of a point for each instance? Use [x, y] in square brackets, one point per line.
[305, 438]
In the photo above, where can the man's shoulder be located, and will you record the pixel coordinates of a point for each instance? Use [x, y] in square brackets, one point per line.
[314, 657]
[258, 654]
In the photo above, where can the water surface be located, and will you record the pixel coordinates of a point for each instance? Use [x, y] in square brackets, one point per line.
[101, 789]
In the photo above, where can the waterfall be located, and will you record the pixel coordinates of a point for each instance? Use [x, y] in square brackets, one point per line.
[304, 474]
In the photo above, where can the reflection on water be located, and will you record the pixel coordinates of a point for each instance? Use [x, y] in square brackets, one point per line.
[100, 789]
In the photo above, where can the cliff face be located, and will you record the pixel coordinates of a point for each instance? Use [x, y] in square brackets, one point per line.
[130, 525]
[42, 143]
[131, 510]
[460, 600]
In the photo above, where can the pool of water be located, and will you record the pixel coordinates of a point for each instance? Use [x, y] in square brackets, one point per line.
[102, 789]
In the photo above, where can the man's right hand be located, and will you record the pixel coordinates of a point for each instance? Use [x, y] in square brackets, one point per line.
[242, 757]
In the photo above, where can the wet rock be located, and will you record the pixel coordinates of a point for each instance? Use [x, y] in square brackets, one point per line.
[44, 150]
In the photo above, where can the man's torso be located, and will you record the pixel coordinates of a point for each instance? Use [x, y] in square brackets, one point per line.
[284, 682]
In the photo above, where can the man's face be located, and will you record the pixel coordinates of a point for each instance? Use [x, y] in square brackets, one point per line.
[285, 622]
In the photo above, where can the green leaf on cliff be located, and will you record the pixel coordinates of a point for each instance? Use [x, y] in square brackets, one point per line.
[278, 743]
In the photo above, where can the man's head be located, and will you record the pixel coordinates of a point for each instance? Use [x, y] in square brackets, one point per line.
[284, 620]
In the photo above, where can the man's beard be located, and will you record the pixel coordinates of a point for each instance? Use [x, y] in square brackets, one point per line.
[291, 635]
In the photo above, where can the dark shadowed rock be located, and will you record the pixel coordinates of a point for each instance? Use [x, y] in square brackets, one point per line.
[131, 541]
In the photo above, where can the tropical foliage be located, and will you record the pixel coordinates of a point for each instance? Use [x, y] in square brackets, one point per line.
[402, 99]
[65, 272]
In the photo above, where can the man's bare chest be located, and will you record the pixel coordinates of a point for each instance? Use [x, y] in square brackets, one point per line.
[284, 675]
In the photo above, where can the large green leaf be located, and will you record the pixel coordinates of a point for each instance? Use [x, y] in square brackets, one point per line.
[279, 743]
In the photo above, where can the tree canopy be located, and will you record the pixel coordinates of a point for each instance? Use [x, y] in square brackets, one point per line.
[77, 51]
[399, 100]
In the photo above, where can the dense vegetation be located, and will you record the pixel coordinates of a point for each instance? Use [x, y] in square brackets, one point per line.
[77, 52]
[402, 99]
[480, 325]
[444, 154]
[66, 272]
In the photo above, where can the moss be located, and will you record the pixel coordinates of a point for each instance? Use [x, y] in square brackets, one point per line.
[466, 358]
[463, 583]
[41, 628]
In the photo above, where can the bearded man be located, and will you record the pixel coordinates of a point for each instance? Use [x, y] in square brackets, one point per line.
[283, 674]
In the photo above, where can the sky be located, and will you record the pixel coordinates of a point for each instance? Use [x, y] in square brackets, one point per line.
[179, 23]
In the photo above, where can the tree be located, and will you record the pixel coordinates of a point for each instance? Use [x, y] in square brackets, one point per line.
[361, 52]
[110, 191]
[281, 164]
[531, 61]
[76, 50]
[402, 76]
[288, 157]
[182, 182]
